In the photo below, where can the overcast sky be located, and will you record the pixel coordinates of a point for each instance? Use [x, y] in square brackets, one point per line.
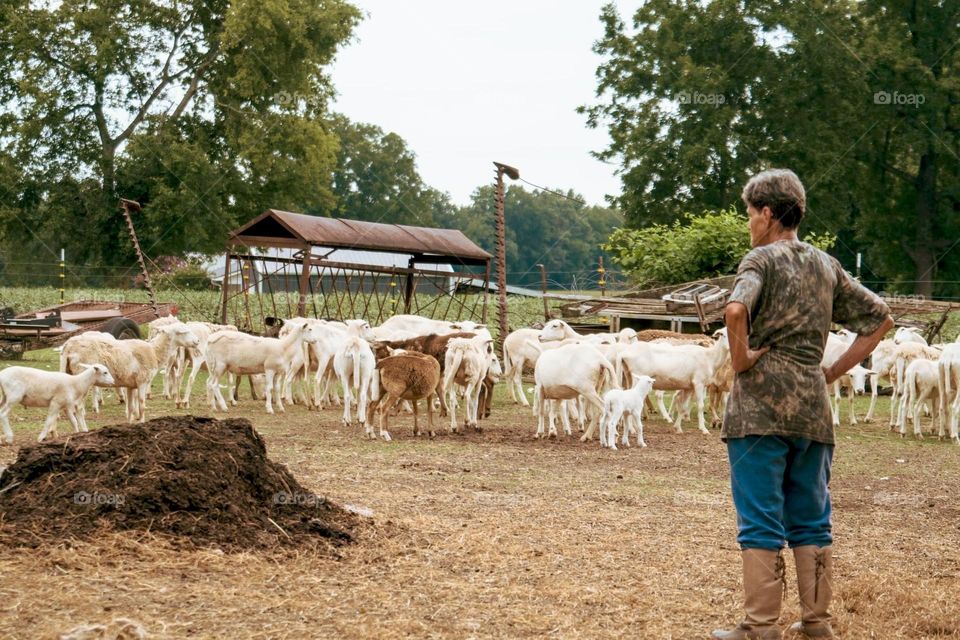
[467, 83]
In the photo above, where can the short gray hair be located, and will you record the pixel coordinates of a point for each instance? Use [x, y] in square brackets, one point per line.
[782, 191]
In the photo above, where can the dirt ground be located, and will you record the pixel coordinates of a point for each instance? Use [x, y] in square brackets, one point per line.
[499, 535]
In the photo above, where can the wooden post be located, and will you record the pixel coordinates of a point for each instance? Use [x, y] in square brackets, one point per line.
[304, 282]
[225, 285]
[603, 281]
[543, 290]
[486, 293]
[408, 286]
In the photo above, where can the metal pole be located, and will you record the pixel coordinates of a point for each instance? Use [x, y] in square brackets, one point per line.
[501, 229]
[126, 205]
[63, 273]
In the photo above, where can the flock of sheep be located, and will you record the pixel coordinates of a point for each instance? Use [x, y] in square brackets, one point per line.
[597, 380]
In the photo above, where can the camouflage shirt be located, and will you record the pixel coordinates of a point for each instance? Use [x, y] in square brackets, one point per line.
[792, 292]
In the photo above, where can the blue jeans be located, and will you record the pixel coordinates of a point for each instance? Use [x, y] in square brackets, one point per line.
[780, 490]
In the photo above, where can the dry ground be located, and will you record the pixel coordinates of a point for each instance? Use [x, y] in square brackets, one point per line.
[499, 535]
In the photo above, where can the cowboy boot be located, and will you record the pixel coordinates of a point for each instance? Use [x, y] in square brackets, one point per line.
[814, 579]
[763, 586]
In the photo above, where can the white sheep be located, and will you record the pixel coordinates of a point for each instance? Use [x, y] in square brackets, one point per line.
[132, 364]
[948, 387]
[919, 387]
[628, 404]
[355, 366]
[467, 363]
[240, 353]
[676, 368]
[54, 390]
[566, 373]
[909, 334]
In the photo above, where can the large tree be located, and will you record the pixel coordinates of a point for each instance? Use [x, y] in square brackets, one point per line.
[376, 177]
[207, 111]
[857, 97]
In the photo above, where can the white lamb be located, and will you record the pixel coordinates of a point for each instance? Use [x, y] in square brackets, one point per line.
[54, 390]
[627, 404]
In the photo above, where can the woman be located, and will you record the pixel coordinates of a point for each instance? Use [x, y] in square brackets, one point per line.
[777, 425]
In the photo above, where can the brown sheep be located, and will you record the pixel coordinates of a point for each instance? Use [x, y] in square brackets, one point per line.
[405, 375]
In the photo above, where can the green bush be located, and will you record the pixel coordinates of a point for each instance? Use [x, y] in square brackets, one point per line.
[704, 246]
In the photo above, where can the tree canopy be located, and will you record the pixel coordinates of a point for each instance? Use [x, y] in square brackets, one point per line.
[206, 112]
[859, 98]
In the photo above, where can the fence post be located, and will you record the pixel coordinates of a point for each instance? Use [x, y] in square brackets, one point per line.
[63, 273]
[603, 282]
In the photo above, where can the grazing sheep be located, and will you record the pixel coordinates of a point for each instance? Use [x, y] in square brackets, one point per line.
[405, 375]
[54, 390]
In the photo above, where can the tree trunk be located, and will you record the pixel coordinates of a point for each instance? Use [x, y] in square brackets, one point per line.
[922, 253]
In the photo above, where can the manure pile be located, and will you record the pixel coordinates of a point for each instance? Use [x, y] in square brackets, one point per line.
[200, 481]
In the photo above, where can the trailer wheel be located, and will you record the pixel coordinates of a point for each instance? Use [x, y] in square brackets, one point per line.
[122, 329]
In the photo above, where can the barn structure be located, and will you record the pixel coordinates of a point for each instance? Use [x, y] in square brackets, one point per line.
[283, 264]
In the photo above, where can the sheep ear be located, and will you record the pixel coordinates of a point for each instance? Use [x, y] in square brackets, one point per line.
[83, 366]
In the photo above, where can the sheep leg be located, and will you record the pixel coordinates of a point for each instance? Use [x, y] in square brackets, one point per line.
[268, 390]
[5, 408]
[700, 391]
[835, 404]
[639, 429]
[195, 365]
[596, 402]
[362, 402]
[347, 399]
[71, 411]
[386, 404]
[452, 407]
[50, 424]
[851, 396]
[516, 383]
[142, 402]
[874, 383]
[429, 401]
[663, 408]
[564, 417]
[608, 428]
[538, 407]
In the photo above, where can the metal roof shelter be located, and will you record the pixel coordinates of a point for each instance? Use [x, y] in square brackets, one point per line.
[319, 242]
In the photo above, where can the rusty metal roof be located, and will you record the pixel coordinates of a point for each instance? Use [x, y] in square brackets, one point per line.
[275, 228]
